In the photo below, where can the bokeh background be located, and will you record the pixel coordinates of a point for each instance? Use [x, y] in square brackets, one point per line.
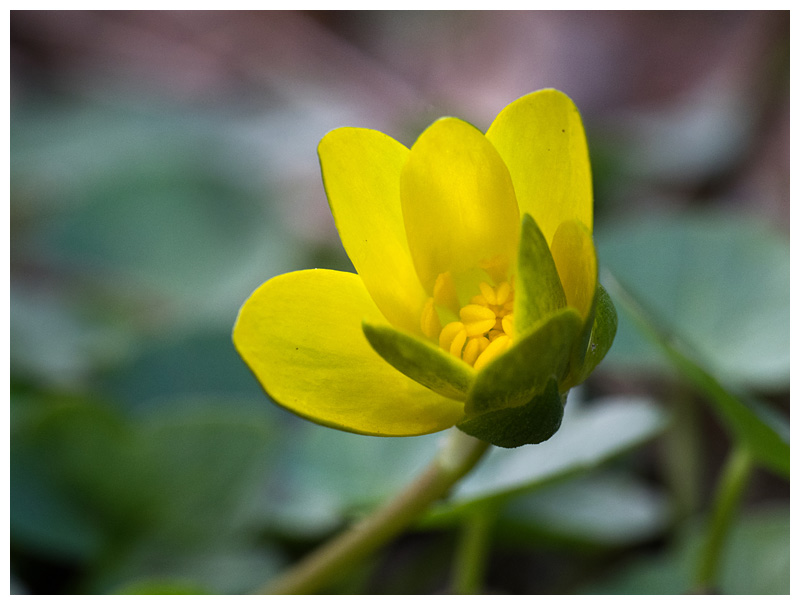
[163, 165]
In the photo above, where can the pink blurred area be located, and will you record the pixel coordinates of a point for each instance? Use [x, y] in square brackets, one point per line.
[692, 107]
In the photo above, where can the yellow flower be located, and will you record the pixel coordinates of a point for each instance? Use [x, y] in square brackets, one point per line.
[476, 301]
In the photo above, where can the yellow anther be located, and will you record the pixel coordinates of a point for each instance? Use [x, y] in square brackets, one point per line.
[444, 292]
[487, 322]
[458, 343]
[508, 324]
[502, 293]
[496, 267]
[477, 319]
[448, 334]
[474, 347]
[429, 320]
[496, 347]
[488, 293]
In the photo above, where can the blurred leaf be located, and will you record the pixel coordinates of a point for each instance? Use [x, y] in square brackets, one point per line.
[326, 477]
[150, 206]
[722, 281]
[58, 343]
[201, 364]
[161, 587]
[165, 491]
[207, 459]
[605, 509]
[755, 561]
[222, 568]
[761, 430]
[589, 436]
[47, 519]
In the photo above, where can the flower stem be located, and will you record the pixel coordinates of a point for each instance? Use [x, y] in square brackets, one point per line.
[729, 492]
[459, 455]
[473, 548]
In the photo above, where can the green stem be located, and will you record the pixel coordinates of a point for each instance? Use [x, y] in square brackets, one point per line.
[459, 455]
[683, 451]
[473, 547]
[732, 482]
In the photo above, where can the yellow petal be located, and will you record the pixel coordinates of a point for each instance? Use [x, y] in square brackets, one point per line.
[541, 139]
[458, 202]
[300, 333]
[361, 172]
[576, 261]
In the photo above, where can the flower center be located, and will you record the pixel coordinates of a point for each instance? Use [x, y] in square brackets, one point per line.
[485, 329]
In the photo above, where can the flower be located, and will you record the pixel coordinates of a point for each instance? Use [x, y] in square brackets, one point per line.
[476, 301]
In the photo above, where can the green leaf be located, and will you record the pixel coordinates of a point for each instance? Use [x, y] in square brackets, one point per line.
[421, 361]
[752, 424]
[161, 586]
[538, 290]
[756, 561]
[167, 492]
[326, 477]
[609, 509]
[600, 341]
[522, 372]
[722, 280]
[533, 422]
[46, 518]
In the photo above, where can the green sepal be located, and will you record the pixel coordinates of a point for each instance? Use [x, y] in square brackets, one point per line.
[604, 329]
[421, 361]
[523, 371]
[538, 286]
[533, 422]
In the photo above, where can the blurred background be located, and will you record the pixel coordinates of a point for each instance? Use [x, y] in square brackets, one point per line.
[163, 165]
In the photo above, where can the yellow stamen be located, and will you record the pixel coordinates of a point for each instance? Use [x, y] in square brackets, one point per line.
[474, 347]
[503, 293]
[488, 293]
[457, 346]
[448, 334]
[444, 292]
[477, 319]
[487, 322]
[495, 348]
[429, 320]
[508, 324]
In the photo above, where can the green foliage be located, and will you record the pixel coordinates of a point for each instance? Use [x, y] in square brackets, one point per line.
[756, 561]
[137, 496]
[161, 587]
[753, 424]
[720, 281]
